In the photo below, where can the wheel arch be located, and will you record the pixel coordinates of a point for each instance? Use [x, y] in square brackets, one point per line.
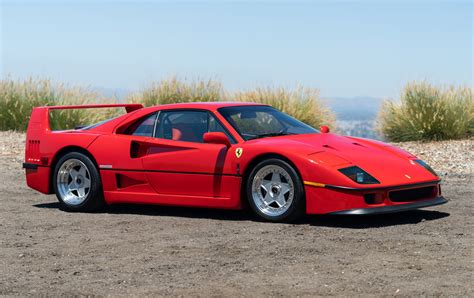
[301, 205]
[63, 151]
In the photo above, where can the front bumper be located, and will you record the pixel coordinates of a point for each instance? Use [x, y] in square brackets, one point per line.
[392, 209]
[330, 199]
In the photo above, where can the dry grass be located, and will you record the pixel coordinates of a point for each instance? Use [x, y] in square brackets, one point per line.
[427, 112]
[17, 99]
[174, 90]
[301, 103]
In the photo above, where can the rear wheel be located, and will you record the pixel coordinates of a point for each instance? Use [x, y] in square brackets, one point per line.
[77, 183]
[275, 192]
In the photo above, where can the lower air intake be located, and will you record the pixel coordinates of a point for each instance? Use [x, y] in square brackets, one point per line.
[413, 194]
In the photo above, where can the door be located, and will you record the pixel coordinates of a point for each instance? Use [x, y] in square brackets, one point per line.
[178, 162]
[114, 150]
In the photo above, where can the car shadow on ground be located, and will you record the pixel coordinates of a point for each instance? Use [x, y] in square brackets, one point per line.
[336, 221]
[168, 211]
[375, 221]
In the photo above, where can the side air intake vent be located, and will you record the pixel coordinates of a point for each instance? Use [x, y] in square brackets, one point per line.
[124, 181]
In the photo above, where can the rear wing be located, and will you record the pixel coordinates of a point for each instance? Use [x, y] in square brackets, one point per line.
[129, 107]
[39, 119]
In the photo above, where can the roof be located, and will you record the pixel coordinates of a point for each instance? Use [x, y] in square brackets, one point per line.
[212, 105]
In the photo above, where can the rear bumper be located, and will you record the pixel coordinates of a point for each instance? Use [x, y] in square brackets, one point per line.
[37, 177]
[393, 208]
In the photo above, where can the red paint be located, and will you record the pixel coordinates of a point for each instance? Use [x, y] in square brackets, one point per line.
[173, 172]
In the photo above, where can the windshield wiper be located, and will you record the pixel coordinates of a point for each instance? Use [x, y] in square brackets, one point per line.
[271, 134]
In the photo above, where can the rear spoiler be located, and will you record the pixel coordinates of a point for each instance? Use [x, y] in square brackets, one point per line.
[39, 119]
[39, 125]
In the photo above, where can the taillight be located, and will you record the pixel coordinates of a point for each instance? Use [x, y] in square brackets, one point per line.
[33, 153]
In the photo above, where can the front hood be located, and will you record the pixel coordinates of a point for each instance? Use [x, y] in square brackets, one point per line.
[388, 164]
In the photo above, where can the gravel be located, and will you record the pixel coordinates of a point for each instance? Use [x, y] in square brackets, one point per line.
[156, 250]
[448, 158]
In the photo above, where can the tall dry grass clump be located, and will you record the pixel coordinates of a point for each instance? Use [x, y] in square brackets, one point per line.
[301, 103]
[426, 112]
[17, 99]
[174, 90]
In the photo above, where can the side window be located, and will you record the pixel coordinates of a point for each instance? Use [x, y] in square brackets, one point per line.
[187, 126]
[144, 127]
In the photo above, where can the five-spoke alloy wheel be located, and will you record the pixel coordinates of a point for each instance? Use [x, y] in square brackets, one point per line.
[77, 183]
[74, 182]
[275, 192]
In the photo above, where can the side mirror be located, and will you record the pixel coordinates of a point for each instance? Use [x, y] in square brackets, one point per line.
[324, 129]
[216, 138]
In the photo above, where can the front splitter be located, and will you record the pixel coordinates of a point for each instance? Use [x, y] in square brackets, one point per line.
[393, 208]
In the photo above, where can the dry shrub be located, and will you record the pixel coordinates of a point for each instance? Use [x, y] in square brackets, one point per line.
[426, 112]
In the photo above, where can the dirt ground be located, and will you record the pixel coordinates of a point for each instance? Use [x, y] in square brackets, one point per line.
[153, 250]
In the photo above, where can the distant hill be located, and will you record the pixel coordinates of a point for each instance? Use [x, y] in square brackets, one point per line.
[354, 108]
[356, 115]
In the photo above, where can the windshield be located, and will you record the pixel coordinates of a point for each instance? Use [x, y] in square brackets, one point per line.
[253, 122]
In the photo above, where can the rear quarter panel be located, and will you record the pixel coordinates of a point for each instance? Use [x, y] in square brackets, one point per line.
[44, 150]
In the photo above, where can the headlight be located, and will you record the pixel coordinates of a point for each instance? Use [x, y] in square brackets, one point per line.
[358, 175]
[426, 166]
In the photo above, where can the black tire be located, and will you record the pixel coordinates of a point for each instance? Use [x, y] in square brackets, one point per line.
[94, 198]
[297, 208]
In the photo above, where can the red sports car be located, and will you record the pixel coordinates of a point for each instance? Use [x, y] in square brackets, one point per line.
[222, 155]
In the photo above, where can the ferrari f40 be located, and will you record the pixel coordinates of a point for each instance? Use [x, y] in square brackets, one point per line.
[222, 155]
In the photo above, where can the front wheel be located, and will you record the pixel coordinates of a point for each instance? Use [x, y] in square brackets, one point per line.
[275, 192]
[77, 183]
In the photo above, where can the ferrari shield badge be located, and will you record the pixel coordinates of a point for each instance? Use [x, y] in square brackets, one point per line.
[238, 152]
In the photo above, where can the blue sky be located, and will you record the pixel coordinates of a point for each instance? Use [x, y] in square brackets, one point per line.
[344, 48]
